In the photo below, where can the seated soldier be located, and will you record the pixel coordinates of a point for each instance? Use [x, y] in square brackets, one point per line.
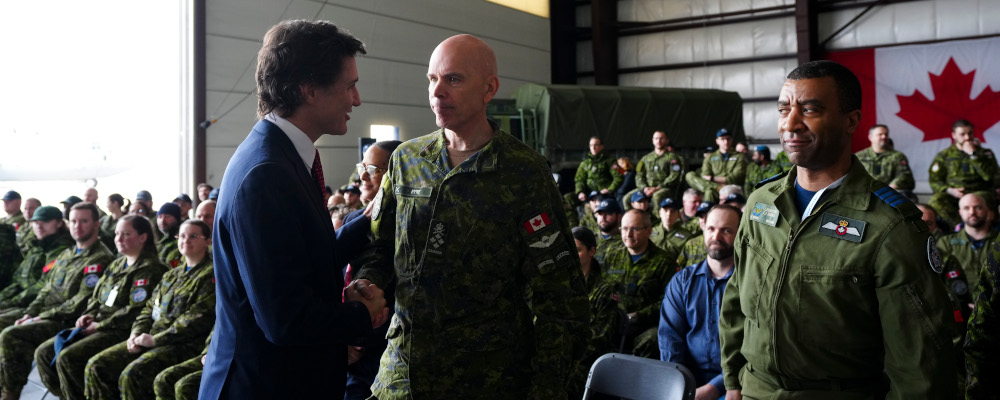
[689, 219]
[112, 308]
[637, 274]
[967, 247]
[727, 190]
[693, 251]
[689, 316]
[761, 168]
[116, 209]
[168, 330]
[669, 234]
[660, 174]
[639, 201]
[51, 238]
[720, 167]
[168, 219]
[25, 233]
[10, 255]
[587, 219]
[736, 200]
[608, 216]
[67, 288]
[962, 168]
[930, 218]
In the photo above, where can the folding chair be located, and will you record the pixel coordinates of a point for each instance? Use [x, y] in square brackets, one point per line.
[638, 378]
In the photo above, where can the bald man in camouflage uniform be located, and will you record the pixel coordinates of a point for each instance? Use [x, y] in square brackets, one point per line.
[982, 342]
[179, 314]
[962, 168]
[490, 295]
[597, 172]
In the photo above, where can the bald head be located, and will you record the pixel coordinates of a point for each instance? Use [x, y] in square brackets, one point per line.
[462, 77]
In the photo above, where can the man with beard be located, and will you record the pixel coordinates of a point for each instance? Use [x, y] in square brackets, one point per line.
[836, 292]
[608, 215]
[885, 164]
[168, 219]
[689, 315]
[967, 247]
[762, 168]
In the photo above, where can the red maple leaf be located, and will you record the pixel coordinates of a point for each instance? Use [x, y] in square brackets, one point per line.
[952, 101]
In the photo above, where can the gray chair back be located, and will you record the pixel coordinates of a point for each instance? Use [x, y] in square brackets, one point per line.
[637, 378]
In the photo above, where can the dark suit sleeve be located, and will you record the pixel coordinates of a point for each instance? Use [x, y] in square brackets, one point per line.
[278, 267]
[352, 237]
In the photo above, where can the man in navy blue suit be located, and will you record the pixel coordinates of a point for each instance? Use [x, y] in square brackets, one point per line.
[282, 329]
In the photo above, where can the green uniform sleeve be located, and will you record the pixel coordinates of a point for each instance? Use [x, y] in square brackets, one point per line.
[72, 308]
[982, 364]
[904, 176]
[640, 175]
[738, 173]
[706, 166]
[916, 317]
[144, 321]
[731, 317]
[196, 320]
[581, 175]
[938, 174]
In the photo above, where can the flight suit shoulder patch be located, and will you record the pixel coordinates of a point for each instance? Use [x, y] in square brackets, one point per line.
[897, 201]
[771, 179]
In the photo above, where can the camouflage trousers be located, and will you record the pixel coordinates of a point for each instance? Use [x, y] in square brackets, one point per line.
[65, 379]
[709, 190]
[17, 348]
[654, 203]
[9, 315]
[115, 373]
[180, 382]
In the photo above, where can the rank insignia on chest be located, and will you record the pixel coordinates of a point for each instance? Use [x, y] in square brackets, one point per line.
[437, 237]
[764, 214]
[140, 282]
[537, 222]
[92, 269]
[839, 227]
[48, 267]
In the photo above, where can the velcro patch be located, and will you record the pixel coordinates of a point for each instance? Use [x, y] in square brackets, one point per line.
[140, 282]
[537, 222]
[92, 269]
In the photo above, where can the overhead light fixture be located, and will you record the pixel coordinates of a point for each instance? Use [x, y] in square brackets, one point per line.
[384, 132]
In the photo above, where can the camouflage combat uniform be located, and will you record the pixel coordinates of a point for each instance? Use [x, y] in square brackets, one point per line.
[67, 288]
[10, 254]
[597, 173]
[692, 225]
[605, 334]
[638, 286]
[889, 167]
[953, 168]
[731, 165]
[181, 381]
[958, 246]
[757, 174]
[692, 252]
[107, 232]
[587, 220]
[115, 302]
[665, 171]
[25, 236]
[28, 278]
[606, 245]
[179, 314]
[479, 251]
[672, 240]
[982, 342]
[167, 249]
[15, 220]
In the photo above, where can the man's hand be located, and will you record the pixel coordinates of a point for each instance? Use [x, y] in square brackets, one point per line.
[707, 392]
[734, 395]
[90, 328]
[354, 354]
[582, 196]
[368, 210]
[369, 294]
[25, 319]
[968, 147]
[956, 192]
[203, 359]
[604, 191]
[83, 321]
[130, 344]
[649, 191]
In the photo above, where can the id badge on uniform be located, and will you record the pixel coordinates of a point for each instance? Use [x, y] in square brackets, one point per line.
[156, 310]
[111, 297]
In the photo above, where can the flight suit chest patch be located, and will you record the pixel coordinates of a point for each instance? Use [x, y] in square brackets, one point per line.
[764, 214]
[841, 227]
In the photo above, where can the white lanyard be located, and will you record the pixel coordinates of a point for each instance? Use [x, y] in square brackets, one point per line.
[818, 195]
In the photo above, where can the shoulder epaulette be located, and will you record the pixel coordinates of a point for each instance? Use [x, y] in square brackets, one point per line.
[895, 200]
[771, 179]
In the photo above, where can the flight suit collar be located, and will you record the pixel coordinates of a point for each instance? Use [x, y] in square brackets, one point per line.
[853, 193]
[485, 160]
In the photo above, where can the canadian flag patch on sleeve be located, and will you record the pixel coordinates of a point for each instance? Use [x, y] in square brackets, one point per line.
[48, 267]
[537, 222]
[140, 282]
[92, 269]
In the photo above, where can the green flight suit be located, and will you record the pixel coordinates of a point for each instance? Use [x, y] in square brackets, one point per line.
[118, 298]
[10, 254]
[181, 381]
[490, 295]
[67, 288]
[958, 246]
[692, 252]
[597, 173]
[639, 285]
[757, 174]
[665, 171]
[982, 340]
[953, 168]
[889, 167]
[672, 240]
[28, 278]
[179, 314]
[607, 245]
[731, 165]
[829, 306]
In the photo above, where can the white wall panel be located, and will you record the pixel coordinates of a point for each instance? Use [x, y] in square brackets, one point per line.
[585, 55]
[911, 22]
[658, 10]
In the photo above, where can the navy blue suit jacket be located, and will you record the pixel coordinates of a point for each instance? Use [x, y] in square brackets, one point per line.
[281, 329]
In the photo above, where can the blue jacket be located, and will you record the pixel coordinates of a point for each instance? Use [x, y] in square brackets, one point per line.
[281, 329]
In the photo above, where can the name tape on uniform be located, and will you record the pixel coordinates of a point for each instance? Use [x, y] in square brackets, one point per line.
[410, 191]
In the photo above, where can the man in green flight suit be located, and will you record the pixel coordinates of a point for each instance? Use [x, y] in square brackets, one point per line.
[720, 167]
[836, 292]
[963, 167]
[597, 172]
[490, 295]
[761, 168]
[67, 288]
[660, 173]
[982, 341]
[968, 246]
[884, 163]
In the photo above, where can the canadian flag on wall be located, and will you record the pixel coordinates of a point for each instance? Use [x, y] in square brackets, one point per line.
[918, 91]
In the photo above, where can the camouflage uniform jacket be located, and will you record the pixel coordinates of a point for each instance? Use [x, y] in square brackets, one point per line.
[489, 295]
[27, 279]
[953, 168]
[15, 220]
[167, 249]
[597, 173]
[692, 252]
[958, 247]
[982, 342]
[692, 225]
[848, 292]
[10, 254]
[25, 236]
[889, 167]
[70, 283]
[123, 290]
[673, 239]
[731, 165]
[588, 221]
[107, 229]
[182, 307]
[639, 285]
[606, 245]
[757, 174]
[665, 171]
